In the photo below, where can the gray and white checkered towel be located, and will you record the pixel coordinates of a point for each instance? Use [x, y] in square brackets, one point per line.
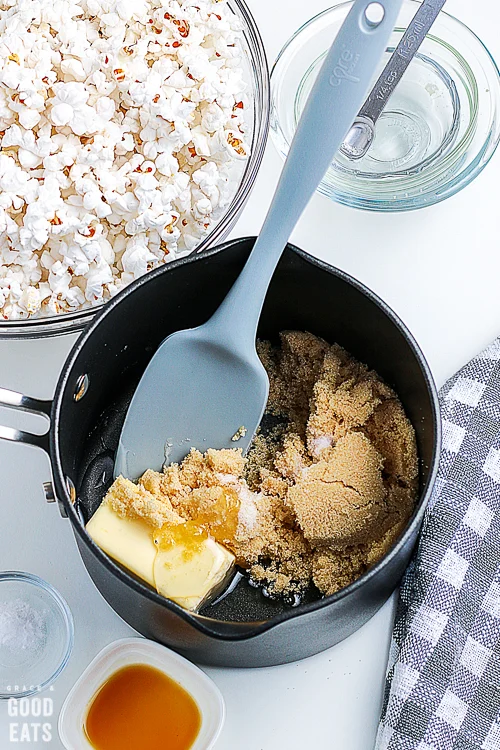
[443, 680]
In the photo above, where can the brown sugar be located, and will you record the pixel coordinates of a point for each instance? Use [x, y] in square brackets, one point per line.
[134, 500]
[339, 501]
[334, 569]
[343, 473]
[325, 489]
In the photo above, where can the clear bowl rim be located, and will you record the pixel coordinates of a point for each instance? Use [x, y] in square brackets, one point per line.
[447, 189]
[63, 607]
[74, 322]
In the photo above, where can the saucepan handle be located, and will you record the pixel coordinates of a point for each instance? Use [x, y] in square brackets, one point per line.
[19, 402]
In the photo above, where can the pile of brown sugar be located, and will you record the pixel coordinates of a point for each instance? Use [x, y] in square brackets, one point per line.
[322, 494]
[341, 475]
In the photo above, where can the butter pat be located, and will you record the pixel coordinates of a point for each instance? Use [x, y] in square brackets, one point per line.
[129, 541]
[185, 575]
[192, 578]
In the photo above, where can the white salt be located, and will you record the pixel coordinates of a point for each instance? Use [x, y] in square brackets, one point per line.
[22, 627]
[248, 513]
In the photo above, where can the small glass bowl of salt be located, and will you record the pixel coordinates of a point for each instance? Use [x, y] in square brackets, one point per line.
[36, 634]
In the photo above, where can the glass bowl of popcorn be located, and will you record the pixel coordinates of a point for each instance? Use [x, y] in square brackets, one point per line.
[131, 133]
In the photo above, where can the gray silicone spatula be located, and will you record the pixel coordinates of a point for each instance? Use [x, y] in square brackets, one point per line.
[206, 383]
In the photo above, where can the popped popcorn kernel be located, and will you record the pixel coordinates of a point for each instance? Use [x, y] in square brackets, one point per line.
[122, 136]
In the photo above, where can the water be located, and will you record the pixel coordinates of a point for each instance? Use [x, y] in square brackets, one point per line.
[420, 122]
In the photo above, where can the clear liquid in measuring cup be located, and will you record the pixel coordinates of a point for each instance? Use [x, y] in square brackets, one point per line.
[421, 120]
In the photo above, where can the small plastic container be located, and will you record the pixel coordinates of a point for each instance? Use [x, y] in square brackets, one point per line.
[36, 634]
[129, 651]
[438, 130]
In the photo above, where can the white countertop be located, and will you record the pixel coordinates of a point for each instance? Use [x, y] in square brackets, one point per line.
[440, 270]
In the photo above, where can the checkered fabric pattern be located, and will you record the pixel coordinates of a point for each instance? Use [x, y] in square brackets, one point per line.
[443, 680]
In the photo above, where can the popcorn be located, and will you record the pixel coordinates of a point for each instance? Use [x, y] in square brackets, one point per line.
[122, 137]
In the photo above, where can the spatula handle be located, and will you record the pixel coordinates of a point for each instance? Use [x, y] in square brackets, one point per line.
[335, 99]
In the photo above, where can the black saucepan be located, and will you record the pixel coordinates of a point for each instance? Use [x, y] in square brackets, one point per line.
[245, 628]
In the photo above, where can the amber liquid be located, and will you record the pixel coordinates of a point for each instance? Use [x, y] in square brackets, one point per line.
[140, 708]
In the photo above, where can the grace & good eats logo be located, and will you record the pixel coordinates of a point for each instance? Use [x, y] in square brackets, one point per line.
[30, 719]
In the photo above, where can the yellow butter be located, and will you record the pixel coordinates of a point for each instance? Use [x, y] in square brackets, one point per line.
[129, 541]
[190, 579]
[187, 579]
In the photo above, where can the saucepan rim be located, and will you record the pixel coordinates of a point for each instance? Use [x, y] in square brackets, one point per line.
[209, 626]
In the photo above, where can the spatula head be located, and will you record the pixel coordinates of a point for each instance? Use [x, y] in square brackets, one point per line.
[195, 392]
